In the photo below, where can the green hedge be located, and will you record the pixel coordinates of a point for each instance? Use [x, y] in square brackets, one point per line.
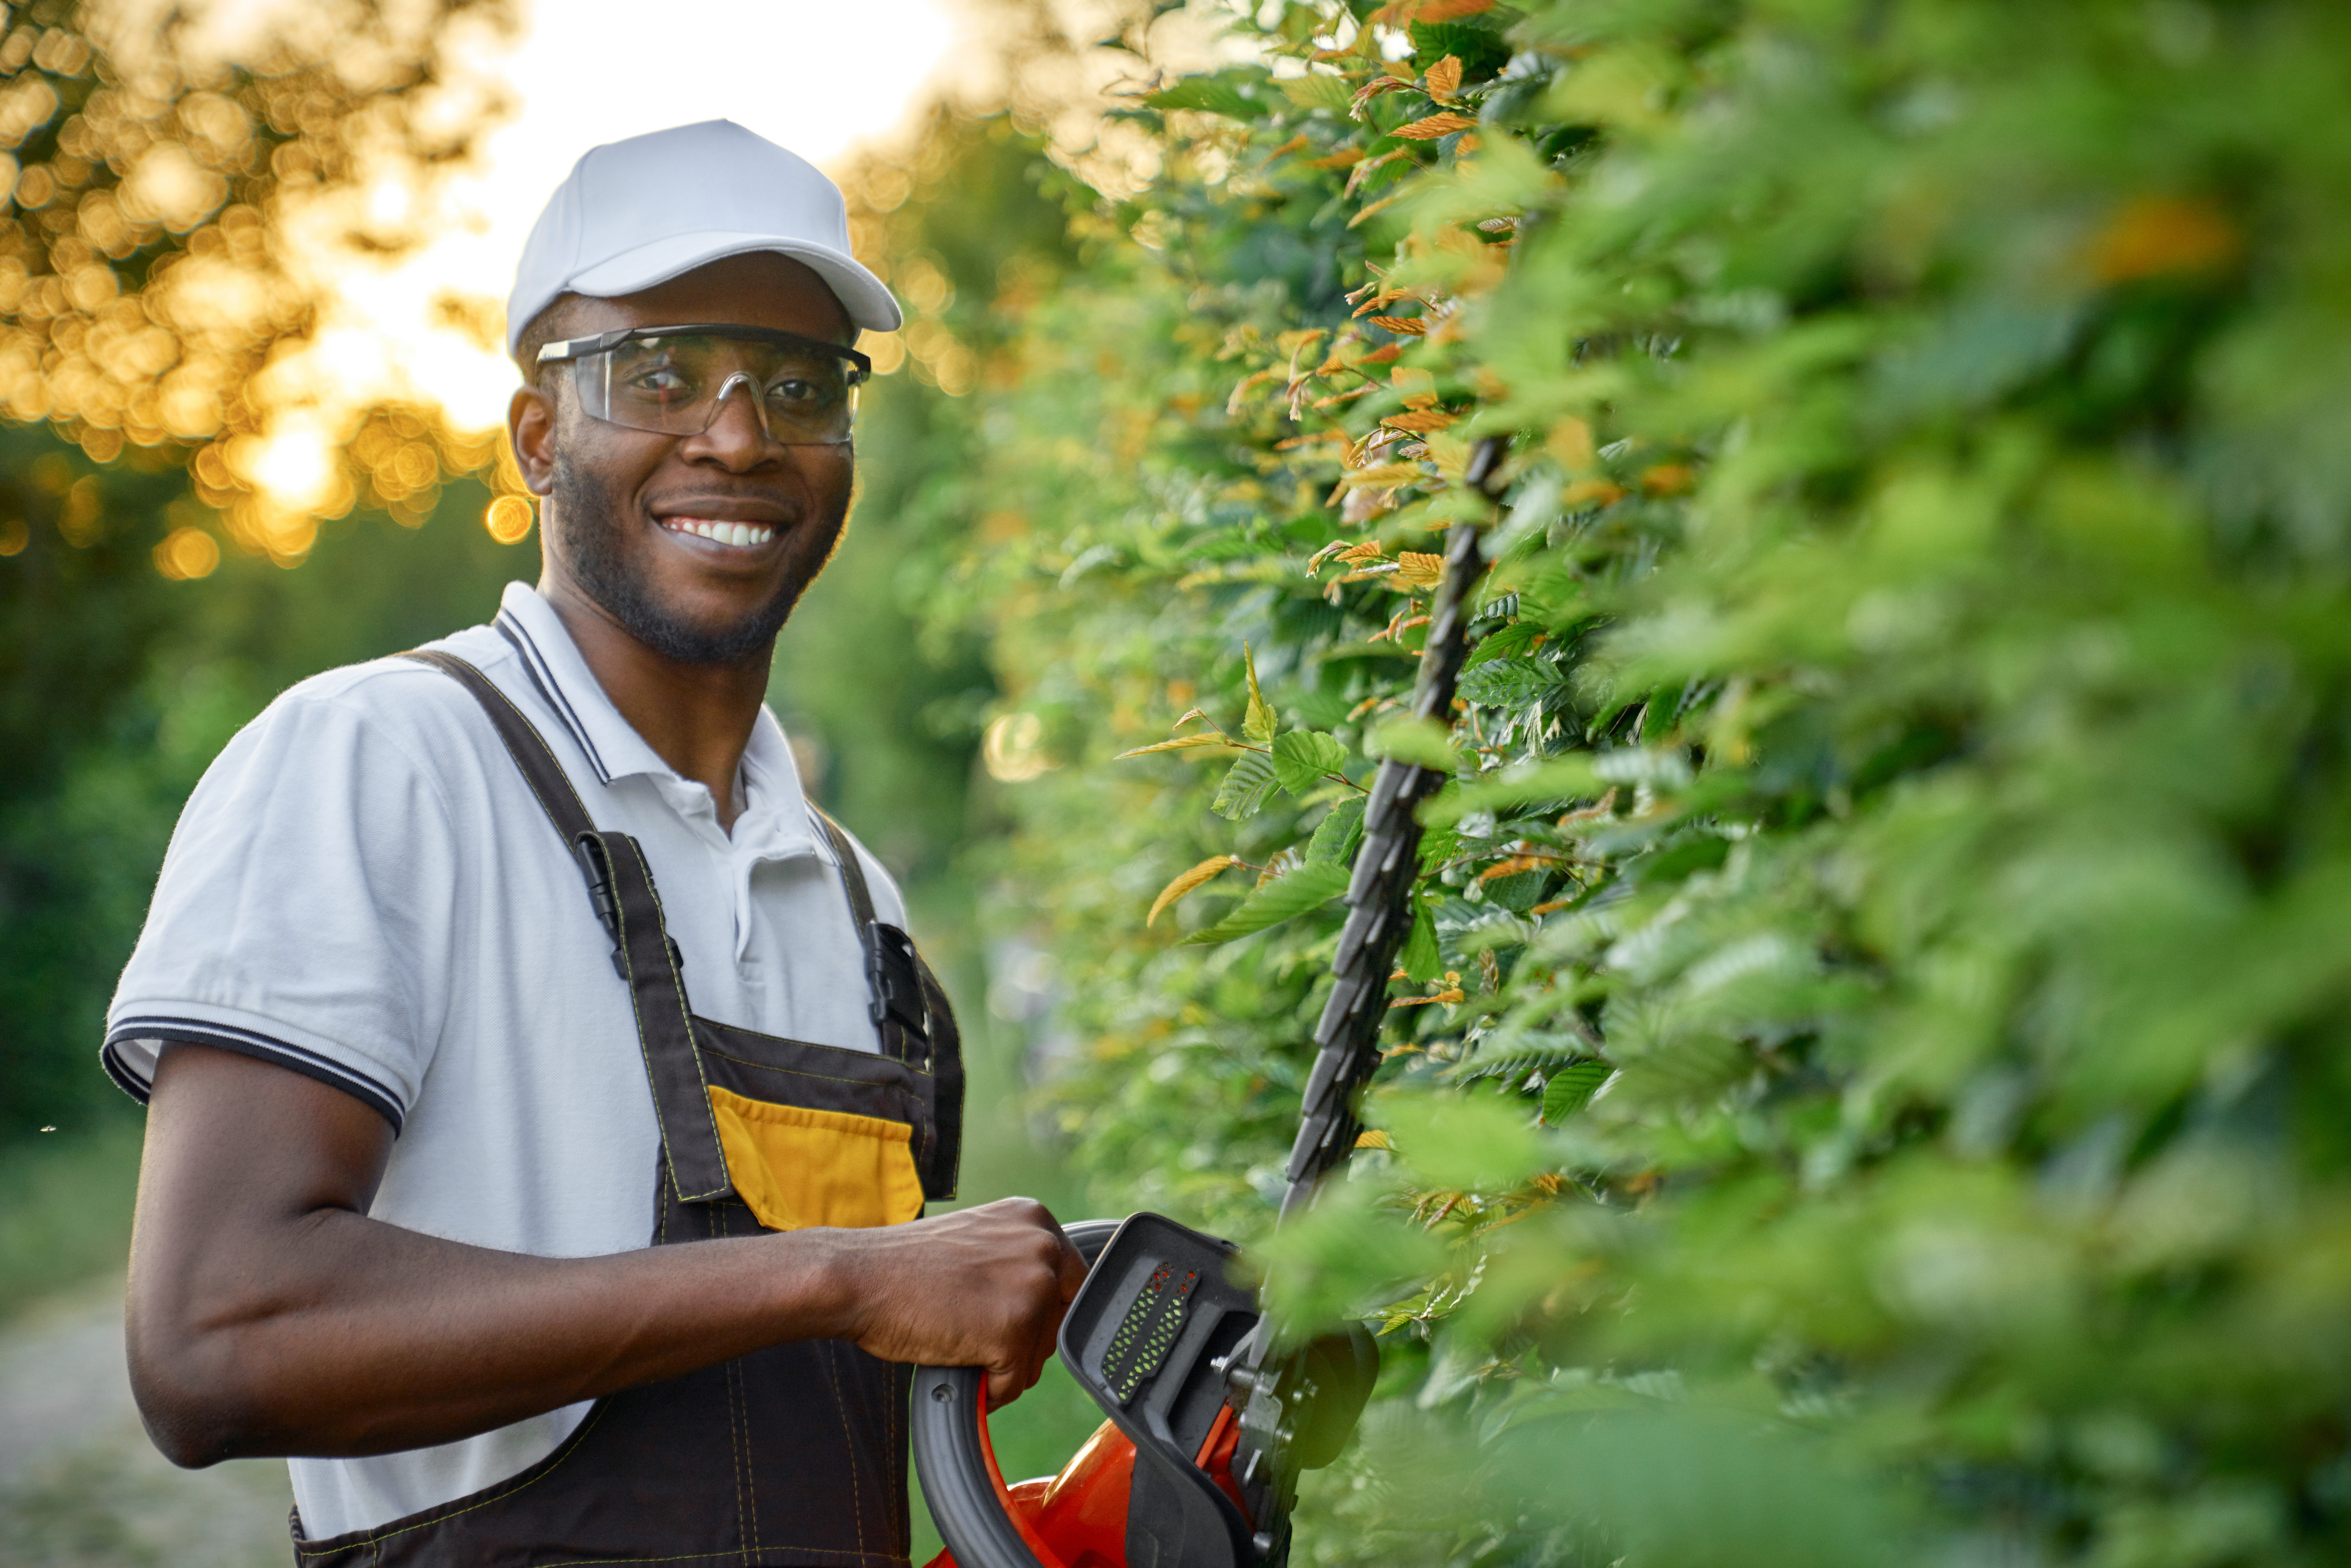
[1875, 1086]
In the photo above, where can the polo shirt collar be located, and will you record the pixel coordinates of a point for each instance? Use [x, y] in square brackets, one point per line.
[776, 822]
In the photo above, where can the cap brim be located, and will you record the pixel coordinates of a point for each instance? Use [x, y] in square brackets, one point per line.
[866, 298]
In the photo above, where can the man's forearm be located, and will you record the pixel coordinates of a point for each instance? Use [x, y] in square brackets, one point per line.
[344, 1335]
[268, 1316]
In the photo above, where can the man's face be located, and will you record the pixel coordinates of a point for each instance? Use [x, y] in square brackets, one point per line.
[631, 510]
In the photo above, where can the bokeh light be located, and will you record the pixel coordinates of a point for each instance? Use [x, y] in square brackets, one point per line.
[186, 553]
[509, 519]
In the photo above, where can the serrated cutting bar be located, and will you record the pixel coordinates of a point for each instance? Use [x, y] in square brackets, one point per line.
[1379, 894]
[1379, 917]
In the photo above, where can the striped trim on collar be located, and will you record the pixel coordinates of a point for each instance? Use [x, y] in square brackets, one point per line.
[542, 677]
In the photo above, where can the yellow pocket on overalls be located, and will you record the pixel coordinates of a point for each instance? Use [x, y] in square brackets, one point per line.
[796, 1167]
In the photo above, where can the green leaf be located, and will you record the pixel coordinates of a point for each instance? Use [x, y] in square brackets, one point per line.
[1316, 90]
[1243, 793]
[1259, 724]
[1516, 638]
[1308, 887]
[1556, 779]
[1463, 1141]
[1571, 1088]
[1181, 743]
[1421, 740]
[1239, 93]
[1336, 835]
[1420, 960]
[1511, 682]
[1437, 845]
[1301, 757]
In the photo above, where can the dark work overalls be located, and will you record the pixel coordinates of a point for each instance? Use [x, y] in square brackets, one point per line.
[794, 1454]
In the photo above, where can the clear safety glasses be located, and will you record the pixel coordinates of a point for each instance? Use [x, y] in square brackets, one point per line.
[673, 379]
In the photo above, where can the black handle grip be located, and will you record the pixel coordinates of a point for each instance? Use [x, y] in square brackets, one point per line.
[944, 1422]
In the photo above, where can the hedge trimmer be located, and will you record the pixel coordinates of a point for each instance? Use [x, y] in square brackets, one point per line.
[1212, 1413]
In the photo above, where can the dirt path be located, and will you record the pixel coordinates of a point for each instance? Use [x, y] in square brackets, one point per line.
[80, 1487]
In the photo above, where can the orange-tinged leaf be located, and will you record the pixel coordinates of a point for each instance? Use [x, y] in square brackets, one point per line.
[1345, 158]
[1434, 126]
[1364, 214]
[1181, 743]
[1420, 570]
[2156, 235]
[1445, 79]
[1667, 478]
[1598, 491]
[1403, 326]
[1368, 550]
[1420, 421]
[1371, 1138]
[1405, 12]
[1208, 868]
[1380, 475]
[1516, 864]
[1369, 166]
[1372, 89]
[1570, 442]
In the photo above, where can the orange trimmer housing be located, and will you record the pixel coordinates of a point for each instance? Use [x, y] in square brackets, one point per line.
[1078, 1518]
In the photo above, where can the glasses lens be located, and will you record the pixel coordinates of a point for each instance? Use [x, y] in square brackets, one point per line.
[804, 396]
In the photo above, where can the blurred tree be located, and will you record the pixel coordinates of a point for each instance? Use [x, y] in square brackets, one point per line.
[178, 192]
[962, 221]
[185, 183]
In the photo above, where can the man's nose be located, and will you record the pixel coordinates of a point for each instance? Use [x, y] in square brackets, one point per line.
[737, 433]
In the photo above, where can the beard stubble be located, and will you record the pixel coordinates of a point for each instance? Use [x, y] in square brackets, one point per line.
[591, 517]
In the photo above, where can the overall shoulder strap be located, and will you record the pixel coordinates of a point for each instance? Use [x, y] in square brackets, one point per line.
[523, 742]
[620, 887]
[910, 1009]
[893, 973]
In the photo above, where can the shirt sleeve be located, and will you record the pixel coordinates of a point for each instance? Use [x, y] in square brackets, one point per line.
[304, 914]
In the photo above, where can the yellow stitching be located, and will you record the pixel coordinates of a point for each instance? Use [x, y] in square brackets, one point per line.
[572, 1443]
[832, 1376]
[436, 660]
[644, 1042]
[820, 1077]
[715, 1223]
[684, 1008]
[436, 656]
[815, 1045]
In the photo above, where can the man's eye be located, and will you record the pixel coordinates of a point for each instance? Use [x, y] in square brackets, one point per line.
[658, 380]
[801, 392]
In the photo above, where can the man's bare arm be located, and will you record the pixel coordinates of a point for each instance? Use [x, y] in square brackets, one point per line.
[268, 1316]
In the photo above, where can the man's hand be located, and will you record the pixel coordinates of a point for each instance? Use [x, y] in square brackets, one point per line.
[985, 1287]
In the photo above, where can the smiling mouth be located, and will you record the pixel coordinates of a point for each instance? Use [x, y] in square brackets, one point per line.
[741, 535]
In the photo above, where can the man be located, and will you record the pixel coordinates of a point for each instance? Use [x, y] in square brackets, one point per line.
[542, 1094]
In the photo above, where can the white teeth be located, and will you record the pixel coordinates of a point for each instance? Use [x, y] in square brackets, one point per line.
[740, 535]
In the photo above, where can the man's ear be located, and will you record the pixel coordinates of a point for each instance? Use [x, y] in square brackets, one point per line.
[530, 426]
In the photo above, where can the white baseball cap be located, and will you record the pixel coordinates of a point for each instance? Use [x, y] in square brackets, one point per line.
[636, 213]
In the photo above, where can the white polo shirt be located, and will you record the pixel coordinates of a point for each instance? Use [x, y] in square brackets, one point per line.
[363, 889]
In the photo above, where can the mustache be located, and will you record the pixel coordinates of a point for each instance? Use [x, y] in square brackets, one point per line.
[589, 531]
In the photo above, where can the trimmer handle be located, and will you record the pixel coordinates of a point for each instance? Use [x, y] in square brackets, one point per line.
[968, 1499]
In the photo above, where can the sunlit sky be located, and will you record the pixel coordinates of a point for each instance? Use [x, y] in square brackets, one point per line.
[817, 75]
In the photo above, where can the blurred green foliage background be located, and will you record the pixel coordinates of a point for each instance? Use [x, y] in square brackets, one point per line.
[1868, 1081]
